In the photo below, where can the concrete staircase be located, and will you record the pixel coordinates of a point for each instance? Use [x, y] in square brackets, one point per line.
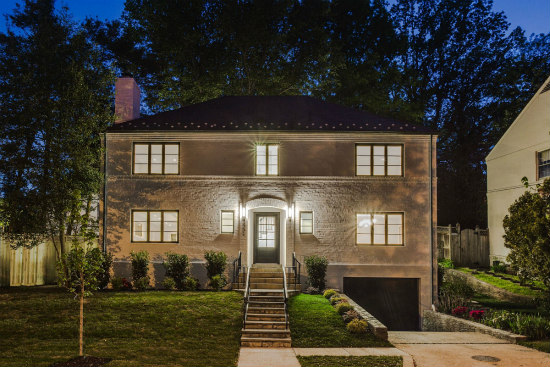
[265, 322]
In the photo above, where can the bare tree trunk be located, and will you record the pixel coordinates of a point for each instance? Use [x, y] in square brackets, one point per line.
[81, 341]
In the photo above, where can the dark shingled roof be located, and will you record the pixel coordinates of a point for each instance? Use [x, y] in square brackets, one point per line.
[266, 113]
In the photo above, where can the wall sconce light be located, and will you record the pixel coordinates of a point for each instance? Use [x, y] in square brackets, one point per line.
[243, 211]
[291, 211]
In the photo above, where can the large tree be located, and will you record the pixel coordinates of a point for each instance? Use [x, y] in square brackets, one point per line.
[469, 75]
[452, 65]
[56, 98]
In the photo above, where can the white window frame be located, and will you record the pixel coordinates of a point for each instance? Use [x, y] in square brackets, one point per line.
[222, 225]
[302, 220]
[266, 159]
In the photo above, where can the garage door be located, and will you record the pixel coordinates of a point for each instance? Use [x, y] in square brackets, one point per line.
[393, 301]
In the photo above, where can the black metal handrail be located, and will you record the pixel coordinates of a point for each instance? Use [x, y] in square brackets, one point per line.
[297, 268]
[237, 268]
[285, 298]
[246, 296]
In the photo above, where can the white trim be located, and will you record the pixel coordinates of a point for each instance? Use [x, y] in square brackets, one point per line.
[250, 210]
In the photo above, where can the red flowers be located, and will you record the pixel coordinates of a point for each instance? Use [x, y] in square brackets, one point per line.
[476, 314]
[460, 311]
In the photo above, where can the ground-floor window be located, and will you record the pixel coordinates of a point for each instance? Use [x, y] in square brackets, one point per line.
[227, 221]
[155, 226]
[380, 229]
[306, 222]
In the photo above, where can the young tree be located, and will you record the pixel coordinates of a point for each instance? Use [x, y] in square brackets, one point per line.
[527, 233]
[81, 271]
[56, 101]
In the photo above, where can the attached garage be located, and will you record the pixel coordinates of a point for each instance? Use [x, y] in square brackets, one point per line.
[393, 301]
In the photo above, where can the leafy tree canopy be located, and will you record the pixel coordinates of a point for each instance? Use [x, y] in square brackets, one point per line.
[56, 97]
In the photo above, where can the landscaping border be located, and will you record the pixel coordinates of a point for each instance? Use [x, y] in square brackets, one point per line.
[437, 321]
[489, 289]
[378, 329]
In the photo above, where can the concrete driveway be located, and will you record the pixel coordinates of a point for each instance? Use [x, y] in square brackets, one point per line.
[465, 349]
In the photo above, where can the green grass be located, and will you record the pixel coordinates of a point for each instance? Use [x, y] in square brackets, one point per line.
[39, 326]
[542, 345]
[350, 361]
[315, 324]
[497, 304]
[502, 283]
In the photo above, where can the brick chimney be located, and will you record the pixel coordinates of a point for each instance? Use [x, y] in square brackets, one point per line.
[127, 99]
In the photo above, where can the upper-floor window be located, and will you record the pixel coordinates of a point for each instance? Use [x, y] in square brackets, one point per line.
[379, 160]
[306, 222]
[267, 159]
[544, 163]
[380, 229]
[154, 226]
[156, 158]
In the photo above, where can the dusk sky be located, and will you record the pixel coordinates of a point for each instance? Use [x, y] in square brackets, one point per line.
[531, 15]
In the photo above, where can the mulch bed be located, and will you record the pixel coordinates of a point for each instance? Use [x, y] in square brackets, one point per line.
[83, 362]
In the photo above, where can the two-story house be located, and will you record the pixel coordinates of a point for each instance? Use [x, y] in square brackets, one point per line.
[272, 176]
[523, 151]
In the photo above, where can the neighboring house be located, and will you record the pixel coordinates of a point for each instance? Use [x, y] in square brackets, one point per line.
[273, 176]
[523, 151]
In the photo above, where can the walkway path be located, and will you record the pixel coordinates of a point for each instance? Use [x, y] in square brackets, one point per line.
[461, 349]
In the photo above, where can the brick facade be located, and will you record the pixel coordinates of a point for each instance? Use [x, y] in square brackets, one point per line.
[316, 173]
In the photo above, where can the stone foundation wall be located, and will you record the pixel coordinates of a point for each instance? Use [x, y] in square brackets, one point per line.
[436, 321]
[378, 329]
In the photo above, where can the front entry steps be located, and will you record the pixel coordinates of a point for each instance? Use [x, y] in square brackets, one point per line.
[265, 323]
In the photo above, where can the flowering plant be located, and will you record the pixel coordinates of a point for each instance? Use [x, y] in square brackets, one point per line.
[126, 284]
[476, 314]
[460, 311]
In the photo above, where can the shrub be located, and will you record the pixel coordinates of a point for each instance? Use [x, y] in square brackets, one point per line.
[350, 316]
[218, 282]
[106, 264]
[190, 284]
[460, 311]
[343, 307]
[476, 314]
[357, 326]
[446, 263]
[169, 283]
[215, 263]
[454, 292]
[119, 283]
[498, 268]
[142, 283]
[534, 327]
[527, 233]
[329, 293]
[336, 299]
[316, 267]
[140, 264]
[312, 290]
[116, 283]
[177, 267]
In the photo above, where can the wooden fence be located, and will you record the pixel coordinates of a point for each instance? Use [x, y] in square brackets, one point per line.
[28, 266]
[465, 247]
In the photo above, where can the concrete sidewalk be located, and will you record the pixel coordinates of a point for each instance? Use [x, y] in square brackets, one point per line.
[465, 349]
[286, 357]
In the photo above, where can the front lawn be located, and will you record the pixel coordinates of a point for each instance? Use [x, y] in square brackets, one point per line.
[39, 326]
[351, 361]
[502, 283]
[314, 323]
[542, 345]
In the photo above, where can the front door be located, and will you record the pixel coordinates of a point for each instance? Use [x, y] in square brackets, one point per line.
[266, 238]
